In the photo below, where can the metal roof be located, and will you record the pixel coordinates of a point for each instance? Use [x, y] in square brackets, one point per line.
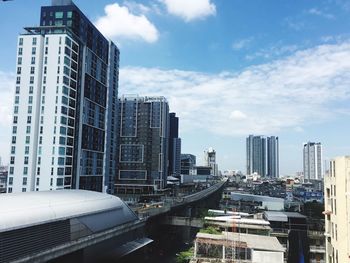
[18, 210]
[281, 216]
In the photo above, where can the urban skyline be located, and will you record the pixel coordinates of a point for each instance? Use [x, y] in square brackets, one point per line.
[241, 56]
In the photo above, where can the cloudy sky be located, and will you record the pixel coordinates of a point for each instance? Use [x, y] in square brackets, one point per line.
[229, 68]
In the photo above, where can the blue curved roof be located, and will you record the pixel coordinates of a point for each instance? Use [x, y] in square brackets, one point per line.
[18, 210]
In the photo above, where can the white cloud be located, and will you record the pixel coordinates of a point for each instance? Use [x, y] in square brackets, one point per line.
[7, 81]
[318, 12]
[237, 115]
[241, 43]
[190, 10]
[305, 88]
[118, 22]
[274, 51]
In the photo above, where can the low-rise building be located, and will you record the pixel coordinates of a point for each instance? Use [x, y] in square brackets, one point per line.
[229, 246]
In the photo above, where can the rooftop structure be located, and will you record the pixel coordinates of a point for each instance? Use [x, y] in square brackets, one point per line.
[56, 223]
[230, 246]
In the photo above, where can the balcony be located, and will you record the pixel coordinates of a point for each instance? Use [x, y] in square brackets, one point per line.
[318, 249]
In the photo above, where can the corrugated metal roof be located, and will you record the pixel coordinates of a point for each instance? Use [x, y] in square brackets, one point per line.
[18, 210]
[281, 216]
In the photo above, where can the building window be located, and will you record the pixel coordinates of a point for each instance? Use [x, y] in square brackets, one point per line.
[27, 139]
[29, 109]
[10, 189]
[31, 80]
[12, 170]
[59, 15]
[30, 99]
[28, 129]
[61, 151]
[37, 181]
[13, 139]
[14, 130]
[17, 89]
[15, 119]
[38, 171]
[20, 51]
[12, 160]
[24, 190]
[32, 61]
[69, 14]
[34, 41]
[29, 119]
[10, 180]
[19, 61]
[19, 70]
[25, 170]
[31, 89]
[18, 80]
[26, 150]
[32, 70]
[20, 42]
[26, 159]
[15, 111]
[33, 50]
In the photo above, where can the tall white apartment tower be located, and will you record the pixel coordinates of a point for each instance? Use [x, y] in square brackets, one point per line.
[65, 107]
[312, 161]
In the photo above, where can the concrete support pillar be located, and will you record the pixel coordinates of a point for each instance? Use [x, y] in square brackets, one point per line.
[223, 254]
[195, 249]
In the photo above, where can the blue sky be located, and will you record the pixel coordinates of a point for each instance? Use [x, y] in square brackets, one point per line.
[229, 68]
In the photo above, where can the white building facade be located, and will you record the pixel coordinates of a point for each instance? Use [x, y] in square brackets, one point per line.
[65, 106]
[312, 161]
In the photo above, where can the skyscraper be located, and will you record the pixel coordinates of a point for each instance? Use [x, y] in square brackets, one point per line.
[65, 107]
[174, 146]
[143, 144]
[262, 155]
[312, 161]
[188, 162]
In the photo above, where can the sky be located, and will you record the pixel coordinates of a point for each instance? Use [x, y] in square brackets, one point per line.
[229, 68]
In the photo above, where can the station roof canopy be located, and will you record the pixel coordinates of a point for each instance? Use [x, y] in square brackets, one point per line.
[18, 210]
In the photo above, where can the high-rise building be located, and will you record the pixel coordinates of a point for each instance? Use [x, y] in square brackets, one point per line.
[143, 144]
[210, 160]
[188, 163]
[174, 146]
[65, 107]
[337, 210]
[262, 155]
[312, 161]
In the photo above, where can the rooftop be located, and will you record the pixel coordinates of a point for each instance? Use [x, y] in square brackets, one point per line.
[281, 216]
[256, 242]
[20, 210]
